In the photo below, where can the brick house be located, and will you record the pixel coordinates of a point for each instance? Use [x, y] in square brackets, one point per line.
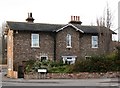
[29, 40]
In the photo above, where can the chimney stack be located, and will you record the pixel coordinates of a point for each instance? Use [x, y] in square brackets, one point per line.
[30, 18]
[75, 20]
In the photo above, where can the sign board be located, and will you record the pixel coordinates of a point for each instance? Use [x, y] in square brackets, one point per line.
[42, 70]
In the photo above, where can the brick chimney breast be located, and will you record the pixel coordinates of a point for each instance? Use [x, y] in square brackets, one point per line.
[30, 18]
[75, 20]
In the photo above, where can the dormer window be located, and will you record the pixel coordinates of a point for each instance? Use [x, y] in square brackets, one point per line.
[68, 41]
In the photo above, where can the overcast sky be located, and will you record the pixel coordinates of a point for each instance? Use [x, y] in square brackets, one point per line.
[57, 11]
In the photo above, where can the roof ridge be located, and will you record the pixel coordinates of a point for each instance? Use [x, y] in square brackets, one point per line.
[35, 23]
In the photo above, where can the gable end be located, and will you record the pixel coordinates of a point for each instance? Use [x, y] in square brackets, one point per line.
[77, 29]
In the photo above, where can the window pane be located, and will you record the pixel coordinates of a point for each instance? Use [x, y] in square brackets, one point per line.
[43, 59]
[94, 41]
[68, 40]
[35, 40]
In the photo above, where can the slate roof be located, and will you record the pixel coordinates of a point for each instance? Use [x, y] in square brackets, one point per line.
[49, 27]
[32, 26]
[87, 29]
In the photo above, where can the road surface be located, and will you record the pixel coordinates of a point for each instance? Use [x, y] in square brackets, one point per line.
[62, 82]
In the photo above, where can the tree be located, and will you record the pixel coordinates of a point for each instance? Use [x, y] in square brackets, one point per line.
[106, 19]
[109, 18]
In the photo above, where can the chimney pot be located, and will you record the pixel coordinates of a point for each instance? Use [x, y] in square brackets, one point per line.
[71, 18]
[30, 14]
[78, 18]
[75, 20]
[30, 18]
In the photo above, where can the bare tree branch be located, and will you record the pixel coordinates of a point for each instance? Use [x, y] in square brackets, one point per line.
[107, 18]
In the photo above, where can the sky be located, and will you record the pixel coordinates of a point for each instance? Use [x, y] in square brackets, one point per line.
[57, 11]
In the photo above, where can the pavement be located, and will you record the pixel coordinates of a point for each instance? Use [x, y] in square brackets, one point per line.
[21, 80]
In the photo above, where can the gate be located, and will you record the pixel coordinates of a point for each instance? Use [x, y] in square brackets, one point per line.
[20, 72]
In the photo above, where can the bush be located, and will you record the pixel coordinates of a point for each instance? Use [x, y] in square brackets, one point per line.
[103, 63]
[56, 63]
[60, 69]
[98, 64]
[32, 65]
[51, 66]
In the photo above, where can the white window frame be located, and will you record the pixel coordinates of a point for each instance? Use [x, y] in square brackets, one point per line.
[87, 57]
[94, 41]
[34, 40]
[69, 41]
[66, 58]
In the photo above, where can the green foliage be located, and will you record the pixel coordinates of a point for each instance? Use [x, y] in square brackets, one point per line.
[60, 69]
[98, 64]
[56, 63]
[27, 69]
[36, 66]
[81, 66]
[32, 66]
[51, 66]
[117, 60]
[29, 65]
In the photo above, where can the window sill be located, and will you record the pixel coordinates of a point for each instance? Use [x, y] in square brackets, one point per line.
[35, 46]
[94, 47]
[68, 47]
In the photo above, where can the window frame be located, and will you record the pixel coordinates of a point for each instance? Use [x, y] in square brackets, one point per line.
[87, 57]
[68, 41]
[69, 59]
[94, 41]
[43, 57]
[35, 40]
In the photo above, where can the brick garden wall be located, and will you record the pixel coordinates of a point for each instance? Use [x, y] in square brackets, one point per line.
[82, 75]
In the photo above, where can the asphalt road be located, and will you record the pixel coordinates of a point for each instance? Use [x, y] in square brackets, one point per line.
[62, 82]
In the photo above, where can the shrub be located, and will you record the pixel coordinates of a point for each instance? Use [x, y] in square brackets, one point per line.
[27, 69]
[56, 63]
[83, 66]
[97, 64]
[60, 69]
[32, 65]
[53, 64]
